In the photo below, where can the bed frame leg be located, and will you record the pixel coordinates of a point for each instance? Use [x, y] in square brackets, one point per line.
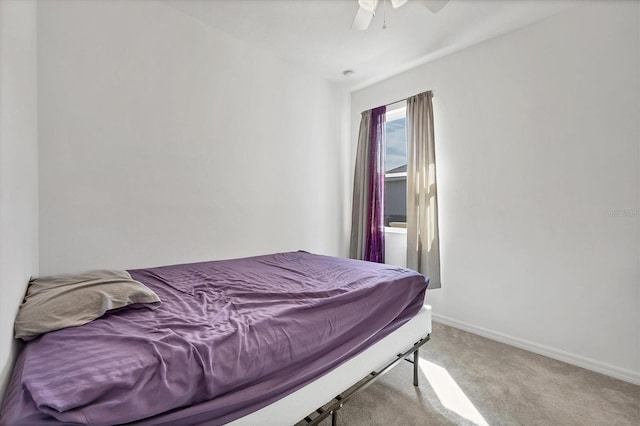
[334, 418]
[415, 367]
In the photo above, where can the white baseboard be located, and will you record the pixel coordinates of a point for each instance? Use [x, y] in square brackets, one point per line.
[580, 361]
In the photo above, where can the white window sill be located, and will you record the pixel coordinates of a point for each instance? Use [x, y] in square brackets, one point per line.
[394, 230]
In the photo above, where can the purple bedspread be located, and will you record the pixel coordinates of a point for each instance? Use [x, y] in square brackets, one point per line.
[229, 338]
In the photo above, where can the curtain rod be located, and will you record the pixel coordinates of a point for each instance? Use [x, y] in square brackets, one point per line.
[404, 99]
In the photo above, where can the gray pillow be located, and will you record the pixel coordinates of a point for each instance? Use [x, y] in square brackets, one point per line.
[69, 300]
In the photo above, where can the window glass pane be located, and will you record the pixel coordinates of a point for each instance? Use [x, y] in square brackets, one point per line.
[395, 200]
[396, 145]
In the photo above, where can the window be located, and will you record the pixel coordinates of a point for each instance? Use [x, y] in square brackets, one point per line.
[395, 167]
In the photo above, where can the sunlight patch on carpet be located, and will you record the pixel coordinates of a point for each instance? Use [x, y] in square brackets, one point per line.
[449, 393]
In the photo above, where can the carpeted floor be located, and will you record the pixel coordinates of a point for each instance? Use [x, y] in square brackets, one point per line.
[472, 380]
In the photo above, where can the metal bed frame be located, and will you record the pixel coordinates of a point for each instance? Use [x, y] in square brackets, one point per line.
[331, 409]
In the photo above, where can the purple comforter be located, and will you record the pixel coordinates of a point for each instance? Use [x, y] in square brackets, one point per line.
[229, 338]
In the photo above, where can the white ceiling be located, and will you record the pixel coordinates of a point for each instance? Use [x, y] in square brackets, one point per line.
[316, 35]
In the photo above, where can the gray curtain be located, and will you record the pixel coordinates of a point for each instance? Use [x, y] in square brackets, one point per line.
[359, 214]
[423, 243]
[367, 228]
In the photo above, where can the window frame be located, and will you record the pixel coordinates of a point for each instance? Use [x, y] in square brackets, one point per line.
[395, 112]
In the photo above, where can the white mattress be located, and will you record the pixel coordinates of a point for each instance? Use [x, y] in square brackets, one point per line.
[295, 406]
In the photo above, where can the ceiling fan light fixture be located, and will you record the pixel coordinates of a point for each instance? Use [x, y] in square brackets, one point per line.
[435, 5]
[367, 10]
[397, 3]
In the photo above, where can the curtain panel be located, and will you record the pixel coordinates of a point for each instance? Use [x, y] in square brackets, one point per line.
[423, 243]
[367, 216]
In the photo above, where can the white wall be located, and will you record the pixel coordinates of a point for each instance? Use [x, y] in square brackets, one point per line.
[163, 141]
[536, 140]
[18, 167]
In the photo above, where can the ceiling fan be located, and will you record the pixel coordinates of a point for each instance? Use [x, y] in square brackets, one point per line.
[367, 10]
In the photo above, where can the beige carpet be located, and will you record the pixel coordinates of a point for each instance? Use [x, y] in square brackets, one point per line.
[478, 381]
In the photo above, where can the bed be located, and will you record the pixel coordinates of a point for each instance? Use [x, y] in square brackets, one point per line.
[260, 340]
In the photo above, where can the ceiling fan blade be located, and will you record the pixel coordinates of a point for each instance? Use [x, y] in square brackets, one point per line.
[397, 3]
[435, 5]
[369, 5]
[362, 19]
